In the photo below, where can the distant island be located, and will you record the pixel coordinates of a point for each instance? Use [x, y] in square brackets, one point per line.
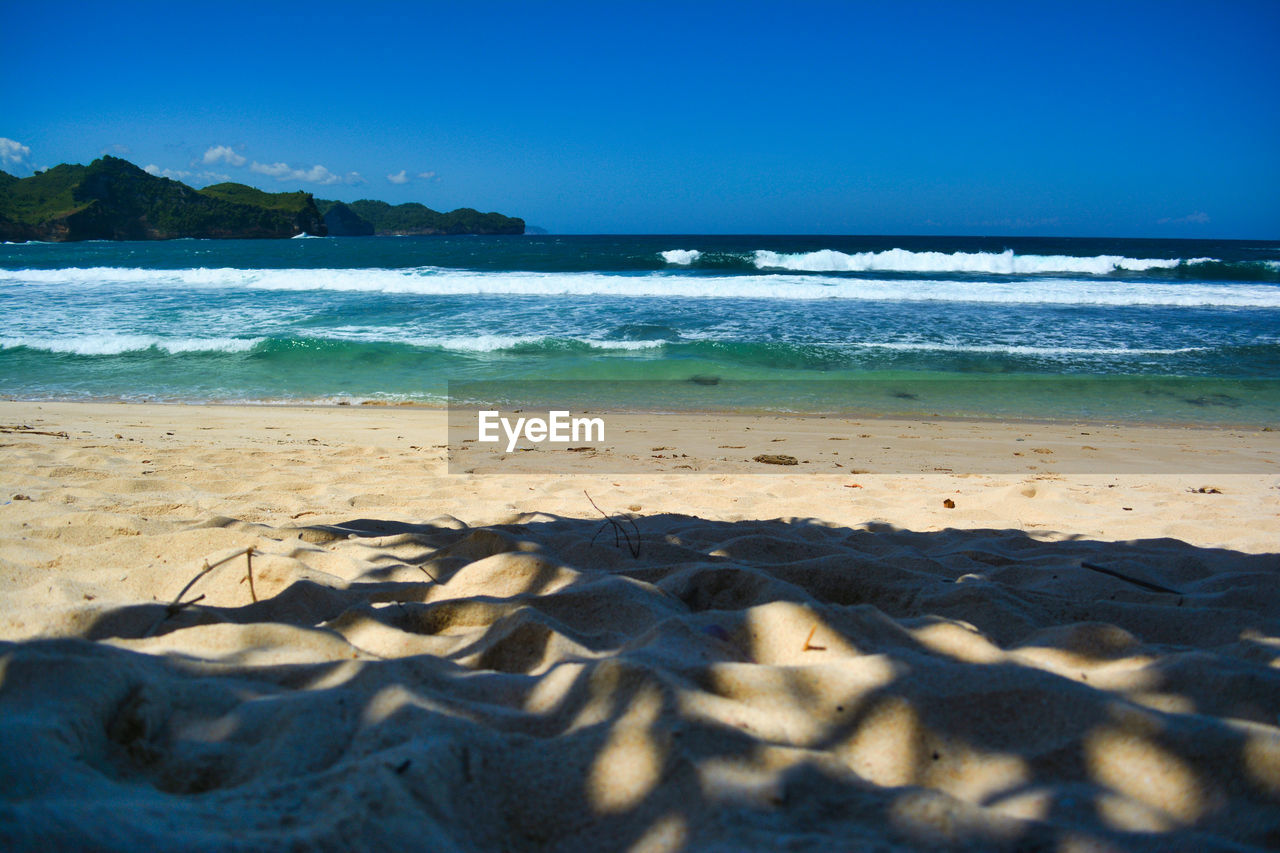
[112, 199]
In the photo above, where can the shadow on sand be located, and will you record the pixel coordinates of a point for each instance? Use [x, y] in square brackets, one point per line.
[738, 685]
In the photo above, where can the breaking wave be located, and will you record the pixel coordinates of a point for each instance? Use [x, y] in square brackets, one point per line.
[682, 257]
[110, 344]
[430, 281]
[1004, 263]
[113, 345]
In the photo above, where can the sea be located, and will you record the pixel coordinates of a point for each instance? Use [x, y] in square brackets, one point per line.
[1153, 331]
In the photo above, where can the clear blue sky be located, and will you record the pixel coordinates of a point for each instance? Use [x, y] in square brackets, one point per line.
[1072, 118]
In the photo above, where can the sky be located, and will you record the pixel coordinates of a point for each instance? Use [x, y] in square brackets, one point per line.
[1124, 119]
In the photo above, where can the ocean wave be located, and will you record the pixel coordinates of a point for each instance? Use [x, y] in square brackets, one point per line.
[828, 350]
[530, 344]
[1004, 263]
[505, 343]
[478, 342]
[681, 257]
[431, 281]
[111, 344]
[1019, 349]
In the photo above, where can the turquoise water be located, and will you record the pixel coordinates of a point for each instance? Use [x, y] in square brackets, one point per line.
[1171, 331]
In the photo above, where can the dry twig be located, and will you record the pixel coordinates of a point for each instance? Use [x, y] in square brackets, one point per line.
[208, 567]
[178, 605]
[1154, 587]
[248, 565]
[26, 430]
[810, 647]
[619, 532]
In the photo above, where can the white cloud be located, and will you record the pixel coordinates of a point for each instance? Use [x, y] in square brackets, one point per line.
[275, 170]
[176, 174]
[222, 154]
[317, 175]
[279, 170]
[121, 150]
[1197, 218]
[203, 178]
[398, 178]
[13, 153]
[314, 175]
[426, 176]
[320, 175]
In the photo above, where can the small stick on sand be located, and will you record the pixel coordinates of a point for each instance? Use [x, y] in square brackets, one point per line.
[1154, 587]
[208, 567]
[248, 562]
[171, 610]
[619, 532]
[808, 646]
[21, 430]
[178, 605]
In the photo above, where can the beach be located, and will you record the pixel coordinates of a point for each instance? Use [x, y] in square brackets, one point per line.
[648, 428]
[925, 633]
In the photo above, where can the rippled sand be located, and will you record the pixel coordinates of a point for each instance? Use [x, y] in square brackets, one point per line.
[808, 661]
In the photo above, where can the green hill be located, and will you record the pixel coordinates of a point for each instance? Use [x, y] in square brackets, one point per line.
[342, 220]
[412, 218]
[296, 203]
[112, 199]
[46, 197]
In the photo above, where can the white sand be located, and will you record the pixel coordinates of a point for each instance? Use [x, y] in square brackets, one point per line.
[808, 659]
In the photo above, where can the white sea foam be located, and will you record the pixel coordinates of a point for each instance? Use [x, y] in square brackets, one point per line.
[627, 345]
[498, 342]
[495, 343]
[83, 277]
[683, 257]
[1015, 349]
[113, 344]
[430, 281]
[1004, 263]
[474, 342]
[477, 343]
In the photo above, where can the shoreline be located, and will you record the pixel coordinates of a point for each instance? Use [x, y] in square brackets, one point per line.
[1093, 447]
[632, 411]
[697, 464]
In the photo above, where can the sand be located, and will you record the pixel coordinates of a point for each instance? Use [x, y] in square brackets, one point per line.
[1080, 652]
